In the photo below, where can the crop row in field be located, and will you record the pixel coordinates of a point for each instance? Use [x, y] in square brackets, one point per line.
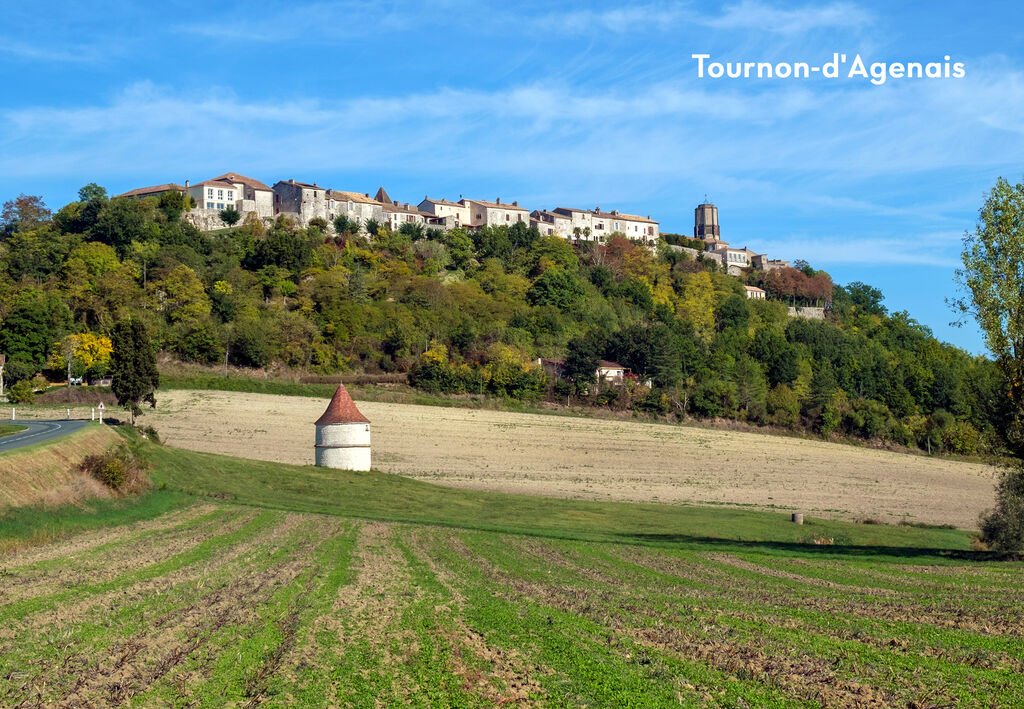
[219, 604]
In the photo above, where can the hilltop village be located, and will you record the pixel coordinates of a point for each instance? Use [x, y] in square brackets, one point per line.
[303, 202]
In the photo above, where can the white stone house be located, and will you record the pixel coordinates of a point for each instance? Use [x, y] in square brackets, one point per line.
[610, 372]
[578, 219]
[215, 195]
[496, 213]
[253, 194]
[733, 261]
[754, 293]
[446, 214]
[551, 223]
[632, 226]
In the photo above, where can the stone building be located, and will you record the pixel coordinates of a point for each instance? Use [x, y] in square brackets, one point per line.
[445, 213]
[154, 191]
[705, 221]
[343, 435]
[495, 213]
[396, 214]
[301, 201]
[359, 208]
[551, 223]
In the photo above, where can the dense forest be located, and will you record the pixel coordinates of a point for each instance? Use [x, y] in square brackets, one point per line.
[472, 311]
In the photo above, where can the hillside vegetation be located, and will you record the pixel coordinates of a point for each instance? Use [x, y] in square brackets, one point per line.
[470, 312]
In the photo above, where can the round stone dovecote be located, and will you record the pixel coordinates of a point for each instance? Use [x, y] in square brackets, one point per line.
[343, 435]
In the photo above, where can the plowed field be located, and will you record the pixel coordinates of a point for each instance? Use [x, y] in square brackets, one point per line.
[220, 605]
[595, 459]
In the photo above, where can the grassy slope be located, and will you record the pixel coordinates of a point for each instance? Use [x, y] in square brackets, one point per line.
[6, 429]
[393, 498]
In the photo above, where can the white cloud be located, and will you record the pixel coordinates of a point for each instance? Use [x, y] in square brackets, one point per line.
[745, 15]
[754, 15]
[931, 249]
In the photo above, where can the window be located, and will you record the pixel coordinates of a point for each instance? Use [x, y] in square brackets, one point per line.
[479, 216]
[220, 194]
[209, 193]
[231, 195]
[209, 205]
[508, 217]
[220, 206]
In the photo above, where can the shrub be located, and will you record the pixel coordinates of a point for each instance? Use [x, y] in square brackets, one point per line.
[21, 393]
[1003, 527]
[118, 469]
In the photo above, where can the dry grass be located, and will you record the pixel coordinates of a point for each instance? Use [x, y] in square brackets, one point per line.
[51, 475]
[594, 459]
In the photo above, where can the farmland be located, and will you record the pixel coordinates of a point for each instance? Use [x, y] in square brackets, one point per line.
[216, 603]
[594, 459]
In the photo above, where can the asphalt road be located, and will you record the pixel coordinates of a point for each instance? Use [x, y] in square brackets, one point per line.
[39, 431]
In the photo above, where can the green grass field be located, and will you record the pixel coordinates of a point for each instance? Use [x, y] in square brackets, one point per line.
[6, 429]
[252, 584]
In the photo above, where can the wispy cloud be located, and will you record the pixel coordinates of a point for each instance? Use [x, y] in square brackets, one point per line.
[754, 15]
[745, 15]
[930, 249]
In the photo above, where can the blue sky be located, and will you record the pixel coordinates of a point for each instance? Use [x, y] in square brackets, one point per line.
[549, 104]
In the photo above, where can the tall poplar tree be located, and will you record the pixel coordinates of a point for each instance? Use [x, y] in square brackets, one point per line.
[993, 278]
[133, 367]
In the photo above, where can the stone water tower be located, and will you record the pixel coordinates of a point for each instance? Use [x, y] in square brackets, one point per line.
[705, 221]
[343, 435]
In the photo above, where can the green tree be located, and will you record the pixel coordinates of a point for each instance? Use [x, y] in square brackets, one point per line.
[993, 278]
[230, 216]
[133, 367]
[557, 287]
[581, 362]
[92, 191]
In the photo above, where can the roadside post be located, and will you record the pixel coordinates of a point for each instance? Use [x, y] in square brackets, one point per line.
[93, 417]
[3, 361]
[101, 407]
[69, 415]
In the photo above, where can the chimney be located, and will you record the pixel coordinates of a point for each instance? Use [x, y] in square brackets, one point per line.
[314, 184]
[498, 200]
[515, 203]
[366, 194]
[597, 209]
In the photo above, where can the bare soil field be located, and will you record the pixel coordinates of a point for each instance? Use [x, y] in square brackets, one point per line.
[596, 459]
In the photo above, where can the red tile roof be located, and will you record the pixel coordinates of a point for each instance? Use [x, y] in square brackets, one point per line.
[341, 410]
[235, 177]
[157, 189]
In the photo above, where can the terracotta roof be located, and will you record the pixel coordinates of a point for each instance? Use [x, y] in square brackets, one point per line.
[605, 364]
[341, 410]
[216, 183]
[156, 189]
[442, 201]
[359, 197]
[235, 177]
[495, 205]
[563, 210]
[625, 217]
[540, 213]
[300, 184]
[405, 209]
[753, 289]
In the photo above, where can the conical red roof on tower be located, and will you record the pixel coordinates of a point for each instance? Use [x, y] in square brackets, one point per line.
[341, 410]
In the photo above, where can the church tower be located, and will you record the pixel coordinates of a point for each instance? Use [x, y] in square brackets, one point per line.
[705, 222]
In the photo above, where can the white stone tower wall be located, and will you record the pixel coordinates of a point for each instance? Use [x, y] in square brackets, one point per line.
[343, 445]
